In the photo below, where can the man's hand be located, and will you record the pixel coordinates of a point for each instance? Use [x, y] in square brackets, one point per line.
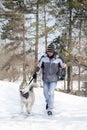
[64, 66]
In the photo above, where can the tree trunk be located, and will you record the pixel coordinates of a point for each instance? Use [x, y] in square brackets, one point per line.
[79, 79]
[36, 44]
[24, 56]
[79, 53]
[45, 26]
[68, 78]
[69, 68]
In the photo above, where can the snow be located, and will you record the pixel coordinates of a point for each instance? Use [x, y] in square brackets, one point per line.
[70, 111]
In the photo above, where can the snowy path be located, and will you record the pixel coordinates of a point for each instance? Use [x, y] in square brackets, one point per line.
[70, 111]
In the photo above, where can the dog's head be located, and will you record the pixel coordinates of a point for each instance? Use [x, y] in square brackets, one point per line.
[24, 92]
[24, 89]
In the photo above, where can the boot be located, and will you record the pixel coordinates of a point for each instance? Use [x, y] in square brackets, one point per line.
[49, 112]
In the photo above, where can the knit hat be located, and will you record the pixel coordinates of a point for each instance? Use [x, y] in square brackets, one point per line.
[51, 48]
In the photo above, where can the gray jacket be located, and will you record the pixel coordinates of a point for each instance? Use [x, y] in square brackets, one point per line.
[50, 67]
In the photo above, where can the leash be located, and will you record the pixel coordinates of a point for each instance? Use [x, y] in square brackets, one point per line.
[31, 80]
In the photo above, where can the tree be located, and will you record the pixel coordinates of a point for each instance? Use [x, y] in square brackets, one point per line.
[66, 13]
[14, 30]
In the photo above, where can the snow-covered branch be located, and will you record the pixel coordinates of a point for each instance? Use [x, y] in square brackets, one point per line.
[2, 8]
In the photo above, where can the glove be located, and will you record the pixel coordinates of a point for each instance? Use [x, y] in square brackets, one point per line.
[34, 75]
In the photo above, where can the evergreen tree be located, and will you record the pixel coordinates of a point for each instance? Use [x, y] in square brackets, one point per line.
[66, 13]
[14, 30]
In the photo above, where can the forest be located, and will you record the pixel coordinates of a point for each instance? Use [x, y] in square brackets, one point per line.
[27, 27]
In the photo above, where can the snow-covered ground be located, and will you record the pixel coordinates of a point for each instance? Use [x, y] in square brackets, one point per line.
[70, 111]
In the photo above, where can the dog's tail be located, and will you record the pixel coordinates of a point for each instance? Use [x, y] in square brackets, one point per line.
[33, 85]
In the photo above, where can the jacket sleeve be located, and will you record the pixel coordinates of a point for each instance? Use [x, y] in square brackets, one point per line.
[61, 63]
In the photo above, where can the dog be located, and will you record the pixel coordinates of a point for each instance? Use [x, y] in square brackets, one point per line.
[27, 96]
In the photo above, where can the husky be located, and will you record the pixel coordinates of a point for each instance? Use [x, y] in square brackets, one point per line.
[27, 96]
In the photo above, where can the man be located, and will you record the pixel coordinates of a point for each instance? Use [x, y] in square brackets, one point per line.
[49, 63]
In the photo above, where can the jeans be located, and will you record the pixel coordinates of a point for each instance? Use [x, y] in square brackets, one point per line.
[48, 89]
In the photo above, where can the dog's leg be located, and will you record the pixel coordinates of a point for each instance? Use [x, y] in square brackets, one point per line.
[30, 103]
[28, 110]
[22, 106]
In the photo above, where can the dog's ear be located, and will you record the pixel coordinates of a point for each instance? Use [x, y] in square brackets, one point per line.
[23, 84]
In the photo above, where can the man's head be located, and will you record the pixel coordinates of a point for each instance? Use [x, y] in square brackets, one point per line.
[50, 50]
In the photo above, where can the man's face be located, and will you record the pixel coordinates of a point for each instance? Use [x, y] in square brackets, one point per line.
[50, 54]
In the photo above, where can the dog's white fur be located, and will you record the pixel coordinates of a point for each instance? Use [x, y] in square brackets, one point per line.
[27, 102]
